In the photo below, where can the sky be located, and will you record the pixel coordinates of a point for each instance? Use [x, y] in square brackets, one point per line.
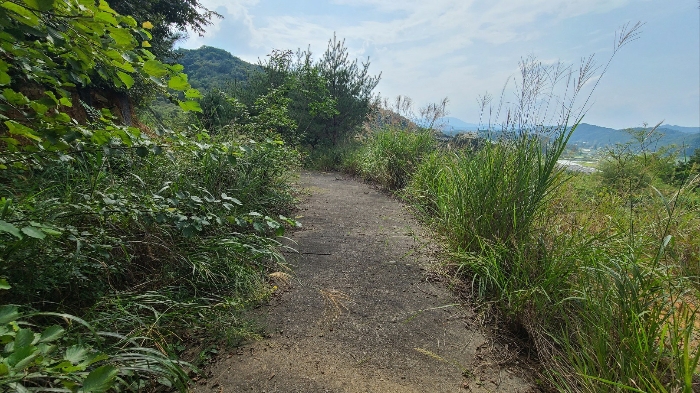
[463, 49]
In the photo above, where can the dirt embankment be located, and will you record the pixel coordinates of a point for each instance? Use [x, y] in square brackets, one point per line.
[361, 312]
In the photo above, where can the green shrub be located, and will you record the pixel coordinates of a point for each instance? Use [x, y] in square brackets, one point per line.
[494, 193]
[389, 157]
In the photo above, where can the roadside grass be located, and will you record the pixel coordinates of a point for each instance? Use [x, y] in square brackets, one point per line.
[602, 275]
[602, 281]
[389, 156]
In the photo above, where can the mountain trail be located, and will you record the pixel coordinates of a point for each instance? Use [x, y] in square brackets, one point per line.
[363, 312]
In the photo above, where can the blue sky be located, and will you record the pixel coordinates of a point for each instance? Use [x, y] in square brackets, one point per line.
[461, 49]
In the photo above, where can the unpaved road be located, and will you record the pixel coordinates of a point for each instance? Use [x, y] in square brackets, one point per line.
[361, 313]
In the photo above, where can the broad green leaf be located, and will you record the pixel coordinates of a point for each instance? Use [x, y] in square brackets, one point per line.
[104, 6]
[76, 354]
[22, 357]
[155, 68]
[51, 231]
[228, 198]
[38, 107]
[51, 96]
[4, 370]
[121, 37]
[100, 379]
[126, 78]
[190, 106]
[14, 97]
[193, 93]
[129, 21]
[179, 82]
[107, 17]
[142, 151]
[20, 129]
[124, 65]
[41, 5]
[9, 228]
[147, 25]
[51, 333]
[21, 14]
[4, 284]
[5, 78]
[65, 101]
[8, 314]
[24, 338]
[145, 44]
[34, 232]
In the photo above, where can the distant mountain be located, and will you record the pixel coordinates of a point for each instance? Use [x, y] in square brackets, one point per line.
[592, 136]
[453, 125]
[209, 67]
[688, 130]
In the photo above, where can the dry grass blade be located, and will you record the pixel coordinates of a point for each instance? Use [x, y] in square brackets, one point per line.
[335, 302]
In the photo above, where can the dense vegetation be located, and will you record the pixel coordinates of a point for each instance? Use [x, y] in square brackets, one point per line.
[326, 99]
[140, 216]
[132, 229]
[599, 270]
[211, 68]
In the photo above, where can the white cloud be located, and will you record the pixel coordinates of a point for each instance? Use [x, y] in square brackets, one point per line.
[233, 11]
[428, 49]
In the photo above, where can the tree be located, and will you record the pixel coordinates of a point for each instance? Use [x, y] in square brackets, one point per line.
[51, 49]
[170, 18]
[351, 86]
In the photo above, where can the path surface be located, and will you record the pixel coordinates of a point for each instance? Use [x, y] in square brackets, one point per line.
[361, 314]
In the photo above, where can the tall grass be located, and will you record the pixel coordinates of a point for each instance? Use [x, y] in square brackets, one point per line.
[502, 188]
[391, 155]
[596, 277]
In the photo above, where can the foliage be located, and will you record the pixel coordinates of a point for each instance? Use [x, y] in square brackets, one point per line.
[328, 98]
[689, 169]
[630, 167]
[292, 79]
[51, 52]
[171, 20]
[154, 233]
[390, 157]
[36, 361]
[211, 68]
[351, 86]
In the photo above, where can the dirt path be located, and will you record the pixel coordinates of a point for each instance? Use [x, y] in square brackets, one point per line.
[361, 314]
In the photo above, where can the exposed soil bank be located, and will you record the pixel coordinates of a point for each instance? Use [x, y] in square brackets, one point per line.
[361, 313]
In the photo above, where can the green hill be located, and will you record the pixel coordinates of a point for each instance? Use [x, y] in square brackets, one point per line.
[592, 136]
[209, 67]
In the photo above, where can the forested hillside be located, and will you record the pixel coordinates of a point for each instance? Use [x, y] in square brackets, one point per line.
[209, 67]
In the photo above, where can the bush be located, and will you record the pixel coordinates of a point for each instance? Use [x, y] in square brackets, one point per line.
[389, 157]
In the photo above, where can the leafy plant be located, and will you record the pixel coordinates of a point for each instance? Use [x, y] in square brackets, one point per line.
[32, 361]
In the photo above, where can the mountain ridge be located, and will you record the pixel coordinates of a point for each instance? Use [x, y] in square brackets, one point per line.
[593, 136]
